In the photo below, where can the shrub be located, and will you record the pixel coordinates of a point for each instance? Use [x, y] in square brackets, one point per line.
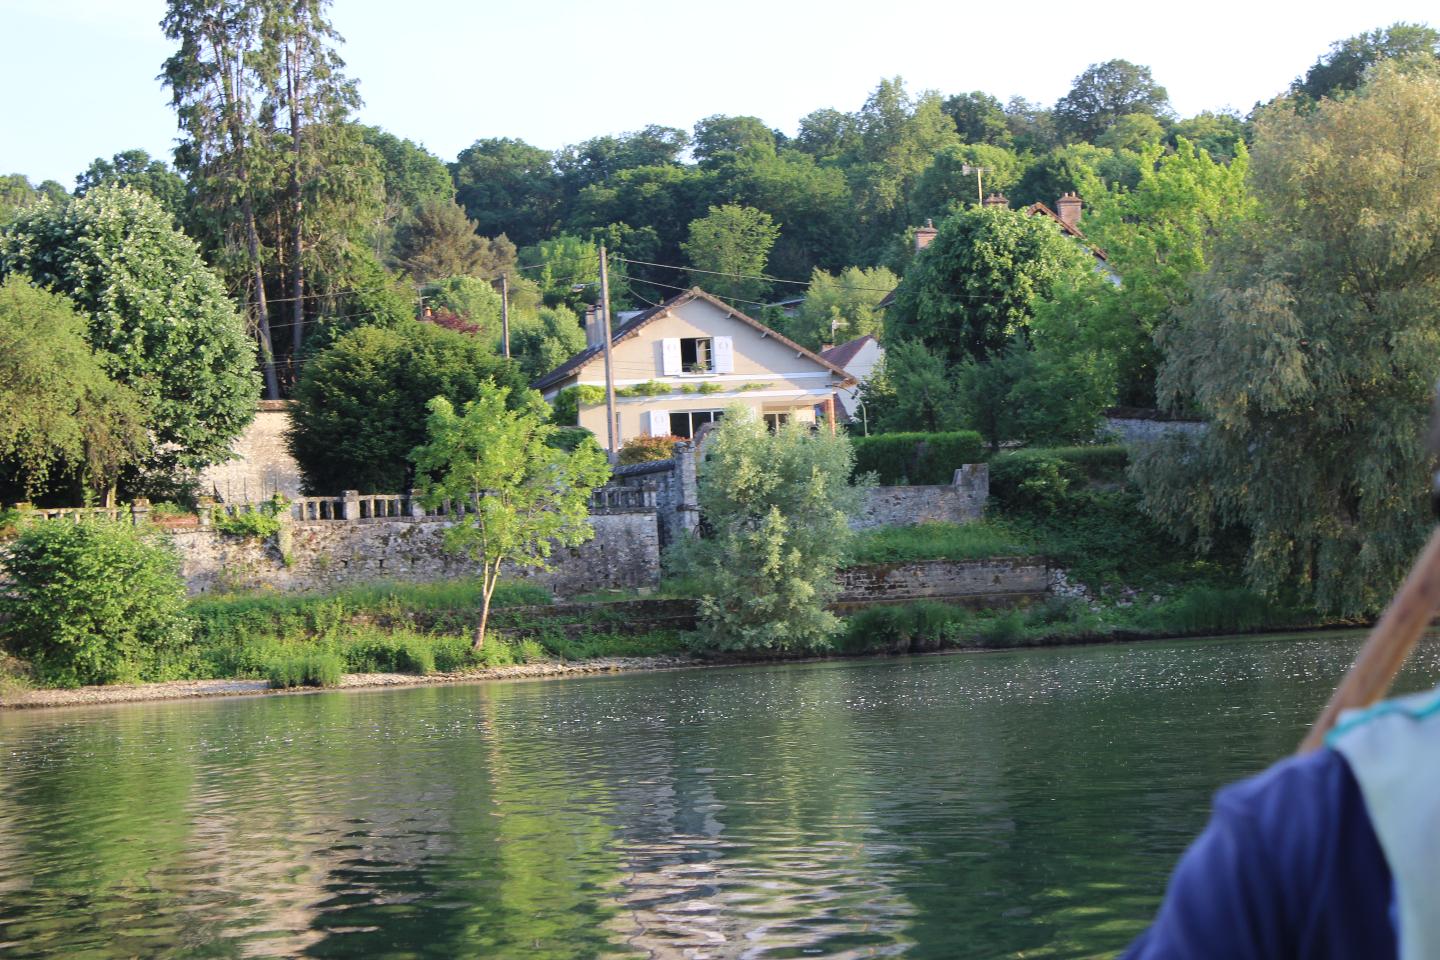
[93, 602]
[935, 541]
[1100, 462]
[568, 438]
[565, 408]
[310, 669]
[778, 503]
[910, 627]
[261, 523]
[918, 458]
[373, 651]
[1032, 479]
[648, 449]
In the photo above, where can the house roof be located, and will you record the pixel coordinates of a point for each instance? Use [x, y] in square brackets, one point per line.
[842, 355]
[1039, 209]
[633, 326]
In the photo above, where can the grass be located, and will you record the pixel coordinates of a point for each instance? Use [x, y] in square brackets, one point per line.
[937, 541]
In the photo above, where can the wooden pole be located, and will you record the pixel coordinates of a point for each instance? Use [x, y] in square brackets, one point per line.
[1389, 644]
[505, 312]
[830, 412]
[609, 370]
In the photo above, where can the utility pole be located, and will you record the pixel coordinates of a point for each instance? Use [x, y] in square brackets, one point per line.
[609, 370]
[505, 312]
[979, 190]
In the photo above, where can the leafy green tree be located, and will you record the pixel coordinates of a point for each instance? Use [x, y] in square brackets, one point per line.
[1032, 126]
[507, 186]
[16, 194]
[475, 301]
[979, 118]
[412, 174]
[438, 241]
[1218, 134]
[912, 390]
[778, 504]
[1034, 395]
[813, 201]
[841, 308]
[560, 265]
[136, 168]
[1103, 94]
[948, 184]
[63, 416]
[722, 140]
[1312, 345]
[729, 248]
[541, 341]
[157, 316]
[663, 198]
[1079, 168]
[1344, 67]
[92, 602]
[360, 404]
[526, 496]
[975, 287]
[1158, 237]
[1134, 132]
[828, 134]
[602, 158]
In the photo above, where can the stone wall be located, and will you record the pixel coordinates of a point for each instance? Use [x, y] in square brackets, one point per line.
[677, 492]
[1000, 579]
[1133, 426]
[961, 502]
[262, 466]
[625, 552]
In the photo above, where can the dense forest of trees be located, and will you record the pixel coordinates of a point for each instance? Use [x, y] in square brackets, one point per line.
[321, 229]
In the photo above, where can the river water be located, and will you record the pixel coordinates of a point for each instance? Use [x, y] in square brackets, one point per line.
[988, 805]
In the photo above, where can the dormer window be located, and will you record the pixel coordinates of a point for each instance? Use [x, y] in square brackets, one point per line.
[696, 355]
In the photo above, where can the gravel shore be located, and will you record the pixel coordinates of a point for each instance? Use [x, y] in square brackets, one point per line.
[191, 689]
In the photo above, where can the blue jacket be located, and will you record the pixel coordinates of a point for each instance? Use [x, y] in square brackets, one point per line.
[1288, 867]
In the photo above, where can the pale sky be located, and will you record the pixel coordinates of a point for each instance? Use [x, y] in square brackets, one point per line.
[79, 75]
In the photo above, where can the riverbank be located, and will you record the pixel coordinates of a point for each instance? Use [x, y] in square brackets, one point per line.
[170, 690]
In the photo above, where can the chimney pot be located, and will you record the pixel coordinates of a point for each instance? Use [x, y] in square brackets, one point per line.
[1069, 208]
[997, 200]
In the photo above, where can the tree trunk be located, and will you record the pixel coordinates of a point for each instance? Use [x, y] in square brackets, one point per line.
[262, 309]
[297, 271]
[487, 587]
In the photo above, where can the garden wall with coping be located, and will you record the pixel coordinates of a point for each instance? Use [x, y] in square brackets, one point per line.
[322, 554]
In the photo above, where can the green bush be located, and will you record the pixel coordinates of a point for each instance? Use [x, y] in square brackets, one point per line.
[1033, 479]
[917, 458]
[93, 602]
[261, 523]
[1203, 609]
[1100, 462]
[375, 651]
[310, 669]
[648, 449]
[905, 628]
[568, 438]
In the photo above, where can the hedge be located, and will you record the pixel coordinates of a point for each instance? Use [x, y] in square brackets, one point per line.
[1041, 477]
[917, 458]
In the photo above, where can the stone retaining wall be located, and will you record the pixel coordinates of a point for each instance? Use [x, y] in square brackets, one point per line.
[262, 466]
[625, 553]
[1002, 577]
[907, 506]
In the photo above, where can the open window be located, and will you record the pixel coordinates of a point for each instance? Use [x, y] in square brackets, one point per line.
[686, 423]
[697, 355]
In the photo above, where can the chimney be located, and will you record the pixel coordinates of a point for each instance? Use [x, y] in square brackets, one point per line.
[1068, 207]
[998, 200]
[923, 235]
[594, 329]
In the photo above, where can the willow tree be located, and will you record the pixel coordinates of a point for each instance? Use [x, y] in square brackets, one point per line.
[1312, 344]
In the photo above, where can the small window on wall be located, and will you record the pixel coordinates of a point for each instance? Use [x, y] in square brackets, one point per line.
[686, 423]
[774, 420]
[696, 355]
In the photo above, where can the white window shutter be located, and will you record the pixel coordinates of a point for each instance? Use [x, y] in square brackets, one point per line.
[659, 423]
[724, 354]
[670, 356]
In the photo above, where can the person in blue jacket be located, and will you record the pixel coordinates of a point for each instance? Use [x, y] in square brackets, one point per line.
[1333, 854]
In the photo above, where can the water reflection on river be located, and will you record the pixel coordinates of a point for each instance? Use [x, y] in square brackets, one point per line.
[1026, 803]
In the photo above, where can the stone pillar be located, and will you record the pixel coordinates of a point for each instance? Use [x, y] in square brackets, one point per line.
[205, 507]
[687, 486]
[973, 481]
[417, 509]
[350, 505]
[139, 511]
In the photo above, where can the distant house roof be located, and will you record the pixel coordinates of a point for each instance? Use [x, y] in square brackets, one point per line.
[1039, 209]
[633, 326]
[841, 355]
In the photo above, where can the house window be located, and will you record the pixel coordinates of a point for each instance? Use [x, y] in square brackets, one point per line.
[774, 420]
[685, 423]
[696, 355]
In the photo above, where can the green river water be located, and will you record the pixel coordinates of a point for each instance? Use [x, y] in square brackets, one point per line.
[1018, 804]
